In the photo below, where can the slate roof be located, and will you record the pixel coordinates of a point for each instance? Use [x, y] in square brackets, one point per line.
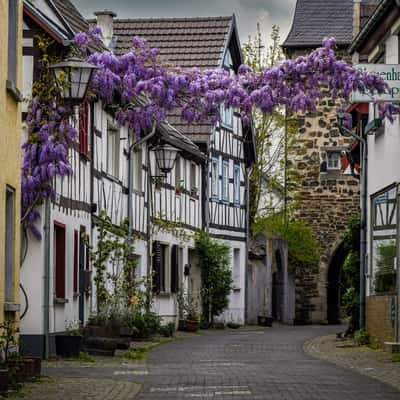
[316, 19]
[185, 42]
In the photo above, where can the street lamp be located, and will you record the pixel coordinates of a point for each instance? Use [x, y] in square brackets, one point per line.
[74, 74]
[165, 157]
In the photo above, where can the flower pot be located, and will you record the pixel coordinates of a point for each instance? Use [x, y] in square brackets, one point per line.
[96, 330]
[36, 365]
[192, 326]
[4, 380]
[68, 346]
[181, 325]
[125, 331]
[18, 371]
[29, 368]
[264, 321]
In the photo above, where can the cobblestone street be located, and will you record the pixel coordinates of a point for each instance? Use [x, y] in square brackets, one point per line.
[244, 364]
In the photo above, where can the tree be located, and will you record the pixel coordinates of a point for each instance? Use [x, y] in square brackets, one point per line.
[216, 276]
[273, 136]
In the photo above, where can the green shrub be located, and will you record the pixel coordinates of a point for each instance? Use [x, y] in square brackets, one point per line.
[168, 330]
[233, 325]
[362, 338]
[145, 324]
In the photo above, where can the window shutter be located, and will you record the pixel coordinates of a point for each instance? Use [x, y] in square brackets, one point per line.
[76, 244]
[83, 129]
[60, 261]
[174, 269]
[156, 267]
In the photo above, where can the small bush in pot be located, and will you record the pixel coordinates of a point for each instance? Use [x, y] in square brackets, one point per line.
[69, 344]
[168, 330]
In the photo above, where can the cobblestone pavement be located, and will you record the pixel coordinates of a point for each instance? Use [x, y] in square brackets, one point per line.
[266, 364]
[373, 363]
[246, 364]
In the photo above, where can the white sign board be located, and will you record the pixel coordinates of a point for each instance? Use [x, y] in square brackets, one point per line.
[391, 75]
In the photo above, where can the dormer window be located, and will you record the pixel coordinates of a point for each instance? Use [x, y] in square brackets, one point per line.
[228, 60]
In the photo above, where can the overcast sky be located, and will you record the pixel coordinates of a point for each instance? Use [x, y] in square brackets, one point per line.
[248, 12]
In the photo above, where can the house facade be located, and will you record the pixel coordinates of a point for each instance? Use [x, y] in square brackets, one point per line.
[378, 43]
[55, 270]
[328, 198]
[10, 156]
[220, 205]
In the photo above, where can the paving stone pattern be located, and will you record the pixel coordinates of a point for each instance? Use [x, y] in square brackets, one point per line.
[250, 363]
[267, 364]
[373, 363]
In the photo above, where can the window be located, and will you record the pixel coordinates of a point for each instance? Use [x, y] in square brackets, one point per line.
[227, 116]
[236, 268]
[383, 244]
[159, 267]
[174, 269]
[225, 181]
[236, 184]
[138, 169]
[76, 261]
[112, 150]
[214, 178]
[84, 129]
[59, 260]
[334, 160]
[9, 244]
[12, 44]
[193, 181]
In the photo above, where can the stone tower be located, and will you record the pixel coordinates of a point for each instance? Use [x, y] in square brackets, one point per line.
[328, 198]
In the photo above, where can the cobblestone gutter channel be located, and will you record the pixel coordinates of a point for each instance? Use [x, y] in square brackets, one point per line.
[376, 364]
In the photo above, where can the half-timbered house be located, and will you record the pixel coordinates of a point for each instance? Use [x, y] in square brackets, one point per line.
[55, 270]
[220, 204]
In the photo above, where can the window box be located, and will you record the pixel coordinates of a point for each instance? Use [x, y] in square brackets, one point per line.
[193, 191]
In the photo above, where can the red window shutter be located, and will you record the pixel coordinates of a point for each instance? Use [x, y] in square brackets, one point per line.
[84, 128]
[76, 244]
[59, 231]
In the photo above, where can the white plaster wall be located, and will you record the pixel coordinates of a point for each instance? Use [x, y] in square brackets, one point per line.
[383, 150]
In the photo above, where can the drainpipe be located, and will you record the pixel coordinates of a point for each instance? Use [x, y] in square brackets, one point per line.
[363, 242]
[46, 278]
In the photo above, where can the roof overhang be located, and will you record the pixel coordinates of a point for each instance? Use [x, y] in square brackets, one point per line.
[54, 31]
[376, 28]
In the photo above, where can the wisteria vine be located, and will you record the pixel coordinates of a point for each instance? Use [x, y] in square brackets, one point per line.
[144, 90]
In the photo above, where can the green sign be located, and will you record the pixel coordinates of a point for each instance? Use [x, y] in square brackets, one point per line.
[390, 73]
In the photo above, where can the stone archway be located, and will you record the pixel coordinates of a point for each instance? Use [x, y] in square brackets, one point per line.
[334, 285]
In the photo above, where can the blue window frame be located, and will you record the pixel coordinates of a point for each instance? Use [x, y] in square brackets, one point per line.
[226, 116]
[225, 181]
[214, 178]
[236, 185]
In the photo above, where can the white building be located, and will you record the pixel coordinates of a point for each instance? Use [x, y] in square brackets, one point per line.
[378, 43]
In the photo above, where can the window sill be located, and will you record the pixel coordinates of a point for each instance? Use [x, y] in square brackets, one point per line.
[112, 178]
[236, 289]
[164, 294]
[12, 307]
[14, 92]
[60, 300]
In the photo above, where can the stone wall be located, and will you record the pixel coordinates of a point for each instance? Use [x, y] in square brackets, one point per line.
[379, 322]
[328, 200]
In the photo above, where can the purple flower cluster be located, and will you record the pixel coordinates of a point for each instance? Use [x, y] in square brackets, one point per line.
[146, 91]
[45, 156]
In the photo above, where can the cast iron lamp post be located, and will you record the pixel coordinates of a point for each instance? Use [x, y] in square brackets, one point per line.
[363, 243]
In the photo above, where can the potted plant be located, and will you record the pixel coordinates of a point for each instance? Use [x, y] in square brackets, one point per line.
[180, 187]
[192, 320]
[69, 344]
[96, 325]
[193, 191]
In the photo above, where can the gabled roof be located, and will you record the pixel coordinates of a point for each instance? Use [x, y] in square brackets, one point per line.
[185, 42]
[59, 18]
[315, 20]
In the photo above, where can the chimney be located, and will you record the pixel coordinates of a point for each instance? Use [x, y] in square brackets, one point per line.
[105, 20]
[356, 25]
